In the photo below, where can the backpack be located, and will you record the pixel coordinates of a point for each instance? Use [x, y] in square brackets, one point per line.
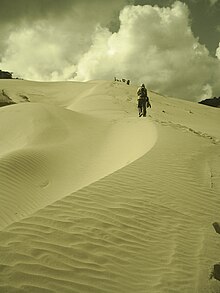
[142, 92]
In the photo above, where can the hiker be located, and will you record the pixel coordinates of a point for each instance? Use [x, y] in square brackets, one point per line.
[143, 101]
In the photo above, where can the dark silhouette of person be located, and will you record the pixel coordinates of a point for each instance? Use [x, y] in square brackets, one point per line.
[143, 101]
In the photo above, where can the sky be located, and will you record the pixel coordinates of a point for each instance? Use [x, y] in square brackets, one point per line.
[171, 46]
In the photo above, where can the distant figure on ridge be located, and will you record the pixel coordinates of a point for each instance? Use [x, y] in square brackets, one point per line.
[143, 101]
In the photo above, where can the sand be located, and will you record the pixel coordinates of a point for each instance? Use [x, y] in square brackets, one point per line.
[96, 199]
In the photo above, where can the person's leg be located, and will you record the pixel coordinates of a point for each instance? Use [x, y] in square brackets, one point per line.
[139, 108]
[144, 110]
[139, 111]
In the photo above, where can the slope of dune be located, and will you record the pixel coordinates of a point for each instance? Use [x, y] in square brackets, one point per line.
[48, 151]
[95, 199]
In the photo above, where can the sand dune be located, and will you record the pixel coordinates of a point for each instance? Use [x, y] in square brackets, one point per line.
[49, 151]
[95, 199]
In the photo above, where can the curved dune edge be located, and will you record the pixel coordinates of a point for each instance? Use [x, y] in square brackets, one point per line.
[59, 152]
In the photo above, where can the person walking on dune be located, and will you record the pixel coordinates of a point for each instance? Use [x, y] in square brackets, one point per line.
[143, 101]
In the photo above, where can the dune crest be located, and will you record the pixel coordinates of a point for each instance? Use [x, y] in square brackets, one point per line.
[49, 151]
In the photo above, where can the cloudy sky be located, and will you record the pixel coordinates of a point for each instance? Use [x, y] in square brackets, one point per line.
[171, 46]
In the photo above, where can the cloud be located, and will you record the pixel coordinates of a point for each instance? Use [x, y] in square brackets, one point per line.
[218, 52]
[45, 51]
[43, 40]
[213, 2]
[155, 46]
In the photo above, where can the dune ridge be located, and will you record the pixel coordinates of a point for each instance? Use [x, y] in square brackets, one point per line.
[54, 151]
[144, 227]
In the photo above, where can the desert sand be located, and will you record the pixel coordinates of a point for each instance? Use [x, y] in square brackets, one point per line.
[95, 199]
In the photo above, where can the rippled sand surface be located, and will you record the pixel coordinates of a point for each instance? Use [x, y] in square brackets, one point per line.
[96, 199]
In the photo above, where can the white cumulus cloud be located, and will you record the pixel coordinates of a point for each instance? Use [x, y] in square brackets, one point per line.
[218, 52]
[155, 46]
